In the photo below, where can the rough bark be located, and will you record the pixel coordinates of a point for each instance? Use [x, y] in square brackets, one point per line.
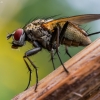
[82, 83]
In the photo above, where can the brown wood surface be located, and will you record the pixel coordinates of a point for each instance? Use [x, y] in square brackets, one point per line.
[83, 82]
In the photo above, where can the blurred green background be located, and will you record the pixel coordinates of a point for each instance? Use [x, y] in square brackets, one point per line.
[15, 14]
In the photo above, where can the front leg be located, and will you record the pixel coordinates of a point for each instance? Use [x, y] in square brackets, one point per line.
[32, 51]
[29, 53]
[35, 50]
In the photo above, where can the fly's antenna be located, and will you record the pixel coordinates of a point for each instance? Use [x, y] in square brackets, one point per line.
[93, 33]
[9, 36]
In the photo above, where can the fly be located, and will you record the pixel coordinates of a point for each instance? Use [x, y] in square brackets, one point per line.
[50, 34]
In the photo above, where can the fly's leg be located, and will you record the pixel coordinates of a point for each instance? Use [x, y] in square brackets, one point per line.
[36, 71]
[56, 37]
[63, 31]
[29, 53]
[66, 49]
[30, 71]
[62, 34]
[52, 58]
[93, 33]
[62, 63]
[54, 42]
[58, 34]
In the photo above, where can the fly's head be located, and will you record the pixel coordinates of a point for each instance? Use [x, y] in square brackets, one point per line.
[18, 37]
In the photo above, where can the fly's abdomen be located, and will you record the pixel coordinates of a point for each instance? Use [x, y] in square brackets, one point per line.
[75, 36]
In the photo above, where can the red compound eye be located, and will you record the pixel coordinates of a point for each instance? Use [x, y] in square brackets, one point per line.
[18, 34]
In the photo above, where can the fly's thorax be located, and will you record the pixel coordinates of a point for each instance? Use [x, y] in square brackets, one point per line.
[75, 33]
[34, 29]
[36, 32]
[35, 25]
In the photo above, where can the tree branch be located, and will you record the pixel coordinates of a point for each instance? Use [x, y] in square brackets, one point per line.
[83, 82]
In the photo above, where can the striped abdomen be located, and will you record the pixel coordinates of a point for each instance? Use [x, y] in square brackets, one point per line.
[75, 36]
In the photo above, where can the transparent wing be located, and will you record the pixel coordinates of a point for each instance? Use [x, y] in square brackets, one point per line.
[80, 19]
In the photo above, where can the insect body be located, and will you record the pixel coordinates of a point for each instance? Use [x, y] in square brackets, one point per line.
[50, 34]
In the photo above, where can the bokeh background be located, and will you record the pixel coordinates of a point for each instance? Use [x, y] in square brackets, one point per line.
[15, 14]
